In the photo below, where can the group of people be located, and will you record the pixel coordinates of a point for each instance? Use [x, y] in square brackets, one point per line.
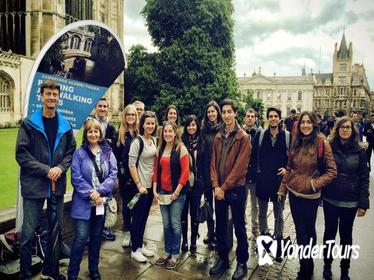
[217, 159]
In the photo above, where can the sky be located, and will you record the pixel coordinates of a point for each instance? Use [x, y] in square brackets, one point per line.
[281, 36]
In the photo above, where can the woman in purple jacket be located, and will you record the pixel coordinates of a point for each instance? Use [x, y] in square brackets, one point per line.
[93, 176]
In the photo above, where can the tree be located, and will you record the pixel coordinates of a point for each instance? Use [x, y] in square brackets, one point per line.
[248, 101]
[194, 63]
[141, 77]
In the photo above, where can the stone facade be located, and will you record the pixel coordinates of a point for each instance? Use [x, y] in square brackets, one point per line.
[346, 88]
[282, 92]
[30, 25]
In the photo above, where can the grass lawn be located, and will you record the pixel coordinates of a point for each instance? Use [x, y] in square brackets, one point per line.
[9, 167]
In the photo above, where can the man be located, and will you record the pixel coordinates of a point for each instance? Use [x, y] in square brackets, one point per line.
[289, 121]
[139, 108]
[369, 133]
[250, 128]
[44, 149]
[231, 153]
[321, 124]
[357, 125]
[101, 114]
[271, 147]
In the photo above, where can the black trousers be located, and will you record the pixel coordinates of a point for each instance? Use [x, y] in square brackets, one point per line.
[369, 151]
[342, 218]
[127, 193]
[238, 217]
[190, 206]
[208, 195]
[304, 214]
[140, 215]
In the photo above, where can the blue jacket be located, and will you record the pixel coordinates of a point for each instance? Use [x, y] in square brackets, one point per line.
[81, 178]
[35, 159]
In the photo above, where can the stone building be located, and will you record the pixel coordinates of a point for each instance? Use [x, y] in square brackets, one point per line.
[282, 92]
[25, 26]
[346, 88]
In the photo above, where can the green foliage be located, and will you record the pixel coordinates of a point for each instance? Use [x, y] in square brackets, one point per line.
[248, 101]
[194, 63]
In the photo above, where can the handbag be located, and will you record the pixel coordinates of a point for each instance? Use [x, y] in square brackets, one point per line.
[111, 213]
[204, 213]
[9, 246]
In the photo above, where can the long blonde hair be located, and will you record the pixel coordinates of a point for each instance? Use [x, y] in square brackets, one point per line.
[123, 127]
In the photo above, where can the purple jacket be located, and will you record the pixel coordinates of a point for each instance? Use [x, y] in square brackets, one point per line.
[81, 178]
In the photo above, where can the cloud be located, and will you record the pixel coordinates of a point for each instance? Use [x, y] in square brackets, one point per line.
[294, 16]
[282, 35]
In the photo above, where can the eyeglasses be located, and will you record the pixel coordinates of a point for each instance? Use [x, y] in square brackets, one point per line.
[130, 114]
[343, 127]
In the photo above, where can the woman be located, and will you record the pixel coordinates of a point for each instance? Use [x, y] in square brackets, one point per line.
[171, 173]
[171, 115]
[141, 160]
[304, 180]
[212, 123]
[346, 196]
[192, 141]
[93, 176]
[128, 130]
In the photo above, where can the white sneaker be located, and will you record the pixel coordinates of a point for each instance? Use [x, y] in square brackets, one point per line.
[146, 252]
[138, 256]
[126, 239]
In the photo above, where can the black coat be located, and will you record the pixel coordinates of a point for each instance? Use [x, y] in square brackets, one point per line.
[198, 166]
[252, 165]
[369, 133]
[269, 161]
[208, 133]
[352, 181]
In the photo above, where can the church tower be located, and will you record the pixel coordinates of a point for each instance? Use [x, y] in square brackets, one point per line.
[342, 63]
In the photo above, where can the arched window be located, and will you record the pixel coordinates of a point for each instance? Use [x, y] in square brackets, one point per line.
[6, 92]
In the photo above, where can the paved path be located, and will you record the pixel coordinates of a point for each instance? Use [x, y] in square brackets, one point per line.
[115, 261]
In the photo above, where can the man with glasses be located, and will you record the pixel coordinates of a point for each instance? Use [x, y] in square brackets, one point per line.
[44, 149]
[101, 114]
[139, 108]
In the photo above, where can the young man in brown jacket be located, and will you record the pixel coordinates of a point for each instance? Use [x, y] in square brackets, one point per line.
[231, 153]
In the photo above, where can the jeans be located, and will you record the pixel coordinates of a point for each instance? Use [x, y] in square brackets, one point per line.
[238, 217]
[84, 229]
[32, 212]
[278, 217]
[171, 219]
[343, 217]
[127, 193]
[139, 219]
[304, 214]
[254, 206]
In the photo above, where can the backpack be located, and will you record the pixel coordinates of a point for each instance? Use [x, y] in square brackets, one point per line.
[261, 137]
[123, 171]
